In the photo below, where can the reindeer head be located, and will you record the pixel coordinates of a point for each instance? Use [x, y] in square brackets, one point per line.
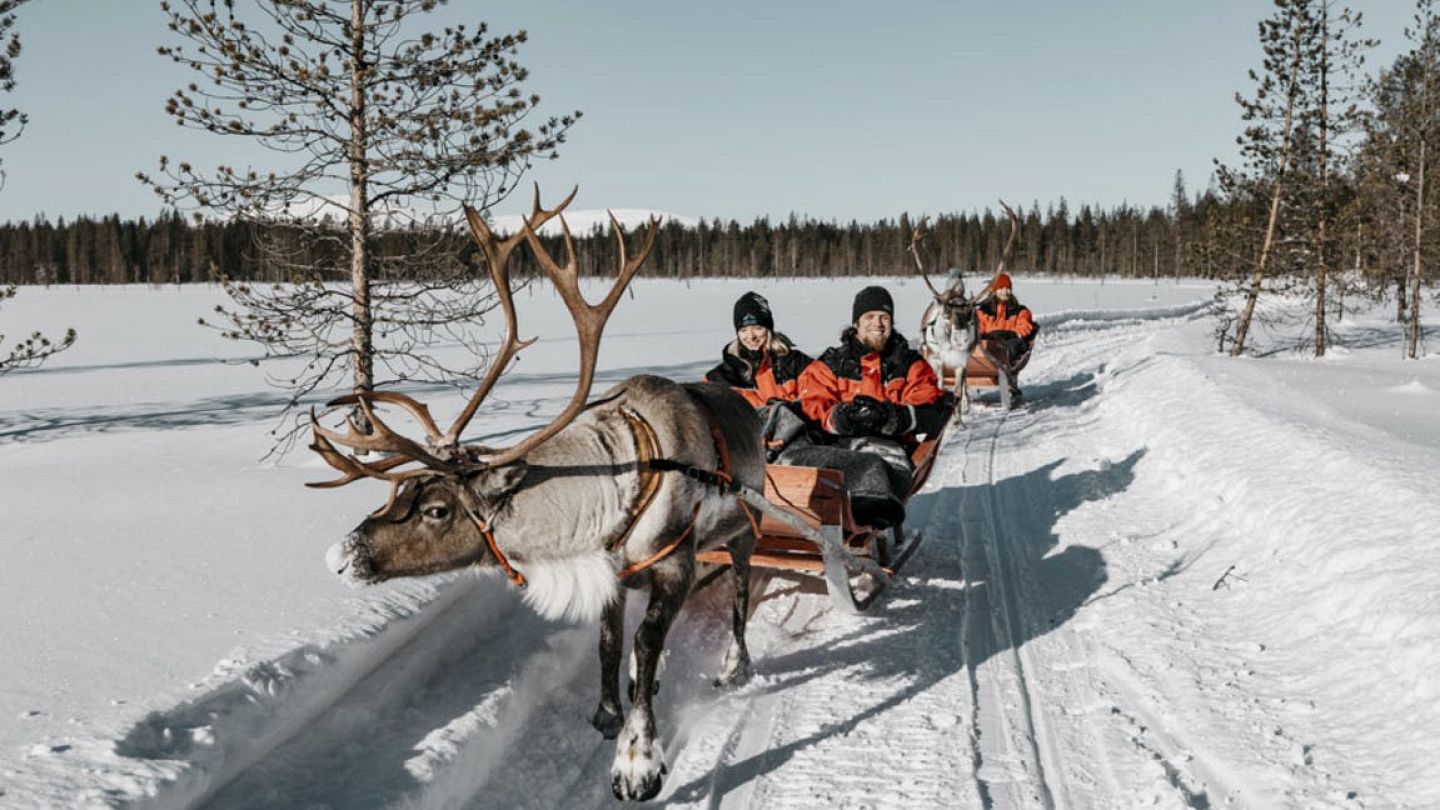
[427, 526]
[956, 308]
[440, 514]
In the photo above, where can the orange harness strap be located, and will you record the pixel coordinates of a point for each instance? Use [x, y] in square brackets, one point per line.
[516, 578]
[647, 447]
[635, 568]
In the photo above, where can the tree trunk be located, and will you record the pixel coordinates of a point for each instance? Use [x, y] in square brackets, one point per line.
[1412, 345]
[1177, 248]
[362, 336]
[1321, 271]
[1242, 330]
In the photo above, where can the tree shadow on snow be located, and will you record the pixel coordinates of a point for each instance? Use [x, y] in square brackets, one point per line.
[39, 425]
[913, 635]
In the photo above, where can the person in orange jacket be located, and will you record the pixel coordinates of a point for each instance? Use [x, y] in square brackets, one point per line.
[871, 394]
[1007, 325]
[873, 383]
[762, 365]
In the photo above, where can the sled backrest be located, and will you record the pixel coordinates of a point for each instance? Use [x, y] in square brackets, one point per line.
[815, 495]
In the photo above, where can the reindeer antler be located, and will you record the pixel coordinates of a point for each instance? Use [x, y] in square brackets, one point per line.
[1005, 254]
[589, 318]
[915, 238]
[497, 259]
[442, 454]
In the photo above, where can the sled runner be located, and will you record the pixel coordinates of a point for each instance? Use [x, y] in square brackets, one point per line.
[818, 497]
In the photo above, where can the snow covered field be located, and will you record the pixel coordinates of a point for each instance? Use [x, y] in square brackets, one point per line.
[1174, 580]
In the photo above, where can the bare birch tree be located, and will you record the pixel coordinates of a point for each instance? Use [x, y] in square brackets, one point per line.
[369, 117]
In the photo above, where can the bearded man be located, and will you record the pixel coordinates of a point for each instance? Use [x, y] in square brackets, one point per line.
[873, 383]
[873, 394]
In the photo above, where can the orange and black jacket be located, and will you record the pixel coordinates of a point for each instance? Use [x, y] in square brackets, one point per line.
[997, 316]
[897, 374]
[762, 376]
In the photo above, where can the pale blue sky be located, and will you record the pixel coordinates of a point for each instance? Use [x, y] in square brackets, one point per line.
[840, 109]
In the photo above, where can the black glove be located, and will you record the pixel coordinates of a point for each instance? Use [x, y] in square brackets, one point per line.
[899, 420]
[999, 334]
[861, 416]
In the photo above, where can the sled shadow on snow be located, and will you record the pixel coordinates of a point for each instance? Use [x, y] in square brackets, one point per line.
[898, 640]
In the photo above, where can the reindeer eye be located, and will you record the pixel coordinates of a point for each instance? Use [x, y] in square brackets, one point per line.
[436, 512]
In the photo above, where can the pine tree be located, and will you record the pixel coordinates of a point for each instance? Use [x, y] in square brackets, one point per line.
[1332, 68]
[1272, 144]
[370, 117]
[34, 349]
[1400, 157]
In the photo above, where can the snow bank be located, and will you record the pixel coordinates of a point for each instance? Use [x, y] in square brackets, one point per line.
[1334, 585]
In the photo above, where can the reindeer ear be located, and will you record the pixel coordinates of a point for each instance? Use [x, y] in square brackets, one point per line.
[501, 480]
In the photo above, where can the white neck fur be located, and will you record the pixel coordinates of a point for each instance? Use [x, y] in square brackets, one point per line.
[575, 589]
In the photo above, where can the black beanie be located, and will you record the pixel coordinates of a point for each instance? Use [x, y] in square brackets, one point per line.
[751, 309]
[871, 299]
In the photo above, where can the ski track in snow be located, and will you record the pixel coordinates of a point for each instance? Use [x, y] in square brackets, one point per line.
[977, 682]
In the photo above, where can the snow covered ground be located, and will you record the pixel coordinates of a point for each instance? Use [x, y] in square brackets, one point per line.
[1173, 580]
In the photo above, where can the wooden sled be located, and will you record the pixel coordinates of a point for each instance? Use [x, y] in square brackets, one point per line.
[818, 497]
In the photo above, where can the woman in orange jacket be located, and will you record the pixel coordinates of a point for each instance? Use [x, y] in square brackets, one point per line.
[1007, 325]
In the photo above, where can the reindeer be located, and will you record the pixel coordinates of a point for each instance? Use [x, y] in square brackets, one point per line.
[584, 506]
[949, 330]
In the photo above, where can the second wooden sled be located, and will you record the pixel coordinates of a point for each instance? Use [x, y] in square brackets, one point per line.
[984, 370]
[818, 497]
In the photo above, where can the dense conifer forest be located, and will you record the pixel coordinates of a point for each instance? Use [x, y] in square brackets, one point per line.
[1184, 238]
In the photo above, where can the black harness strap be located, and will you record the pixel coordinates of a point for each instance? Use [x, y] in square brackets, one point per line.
[713, 478]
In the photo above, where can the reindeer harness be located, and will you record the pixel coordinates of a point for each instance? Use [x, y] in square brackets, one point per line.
[651, 467]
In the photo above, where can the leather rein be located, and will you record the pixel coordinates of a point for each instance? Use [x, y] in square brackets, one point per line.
[651, 467]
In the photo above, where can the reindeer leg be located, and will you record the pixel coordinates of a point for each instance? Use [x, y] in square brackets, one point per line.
[735, 670]
[608, 719]
[639, 765]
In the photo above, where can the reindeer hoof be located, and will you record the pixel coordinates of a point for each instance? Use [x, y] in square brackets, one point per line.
[735, 671]
[607, 722]
[639, 770]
